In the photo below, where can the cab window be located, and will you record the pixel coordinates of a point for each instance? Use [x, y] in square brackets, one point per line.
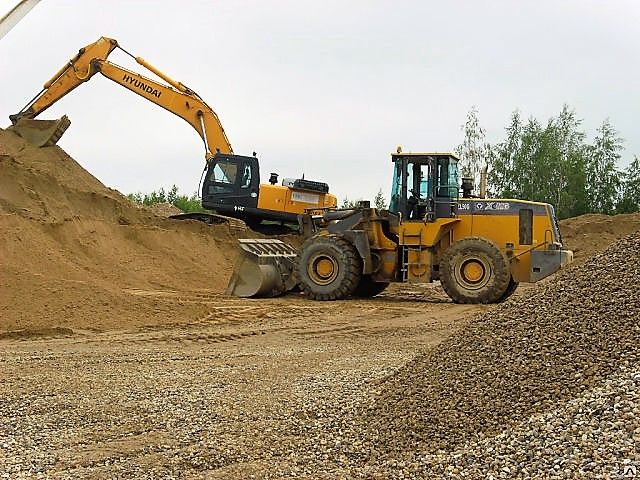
[245, 181]
[396, 188]
[447, 178]
[224, 172]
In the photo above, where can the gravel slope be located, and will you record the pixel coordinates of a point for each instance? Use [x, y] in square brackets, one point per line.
[520, 358]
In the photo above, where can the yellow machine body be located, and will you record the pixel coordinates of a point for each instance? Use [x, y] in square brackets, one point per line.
[517, 235]
[280, 198]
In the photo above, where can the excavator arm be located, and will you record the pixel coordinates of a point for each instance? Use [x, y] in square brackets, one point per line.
[175, 97]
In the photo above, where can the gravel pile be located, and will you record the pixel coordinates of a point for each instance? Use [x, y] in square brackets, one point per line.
[525, 357]
[595, 435]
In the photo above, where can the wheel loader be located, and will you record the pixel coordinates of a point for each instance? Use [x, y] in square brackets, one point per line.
[479, 249]
[231, 183]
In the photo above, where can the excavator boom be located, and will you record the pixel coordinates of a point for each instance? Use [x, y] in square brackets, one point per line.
[175, 97]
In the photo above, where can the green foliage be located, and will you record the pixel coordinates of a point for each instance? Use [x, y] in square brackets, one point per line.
[603, 178]
[379, 201]
[346, 203]
[135, 197]
[629, 200]
[474, 149]
[553, 163]
[184, 202]
[188, 204]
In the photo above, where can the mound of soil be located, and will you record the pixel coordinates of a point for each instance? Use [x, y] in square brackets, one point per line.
[522, 357]
[589, 234]
[164, 209]
[76, 254]
[29, 333]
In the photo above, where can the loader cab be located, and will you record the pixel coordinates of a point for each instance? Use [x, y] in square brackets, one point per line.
[425, 186]
[231, 182]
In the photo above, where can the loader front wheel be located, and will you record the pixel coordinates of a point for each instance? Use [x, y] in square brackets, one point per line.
[329, 267]
[474, 270]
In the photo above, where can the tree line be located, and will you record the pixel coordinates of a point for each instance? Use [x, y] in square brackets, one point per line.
[185, 203]
[550, 161]
[553, 162]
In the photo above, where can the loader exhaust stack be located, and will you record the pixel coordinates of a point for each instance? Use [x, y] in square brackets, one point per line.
[266, 268]
[41, 133]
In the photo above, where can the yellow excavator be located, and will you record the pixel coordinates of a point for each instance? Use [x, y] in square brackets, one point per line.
[231, 184]
[480, 249]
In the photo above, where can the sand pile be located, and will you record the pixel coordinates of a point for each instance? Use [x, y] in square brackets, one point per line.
[164, 209]
[523, 357]
[589, 234]
[74, 253]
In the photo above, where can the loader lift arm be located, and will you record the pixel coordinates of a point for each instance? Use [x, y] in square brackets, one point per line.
[175, 97]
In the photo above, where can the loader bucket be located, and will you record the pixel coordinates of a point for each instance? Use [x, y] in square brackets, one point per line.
[41, 133]
[265, 268]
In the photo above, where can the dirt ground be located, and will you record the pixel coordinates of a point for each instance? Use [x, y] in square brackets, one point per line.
[589, 234]
[221, 396]
[72, 250]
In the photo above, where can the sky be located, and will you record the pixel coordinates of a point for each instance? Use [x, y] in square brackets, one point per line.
[327, 89]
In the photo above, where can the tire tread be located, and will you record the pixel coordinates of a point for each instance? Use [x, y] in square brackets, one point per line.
[494, 292]
[350, 261]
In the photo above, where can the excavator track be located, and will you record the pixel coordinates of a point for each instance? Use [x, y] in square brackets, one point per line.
[213, 219]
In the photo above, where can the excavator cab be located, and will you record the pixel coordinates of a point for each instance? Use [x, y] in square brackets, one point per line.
[231, 184]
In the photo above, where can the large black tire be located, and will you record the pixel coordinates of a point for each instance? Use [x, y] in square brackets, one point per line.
[329, 267]
[474, 270]
[511, 288]
[367, 288]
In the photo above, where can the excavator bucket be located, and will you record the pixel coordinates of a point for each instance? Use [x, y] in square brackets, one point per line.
[265, 268]
[41, 133]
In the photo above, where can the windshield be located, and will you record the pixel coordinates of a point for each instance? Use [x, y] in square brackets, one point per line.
[425, 180]
[396, 187]
[453, 178]
[224, 171]
[448, 178]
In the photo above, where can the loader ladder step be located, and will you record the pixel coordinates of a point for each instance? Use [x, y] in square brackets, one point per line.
[405, 259]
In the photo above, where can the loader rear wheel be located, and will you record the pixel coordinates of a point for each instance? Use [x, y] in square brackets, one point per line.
[329, 267]
[367, 288]
[474, 270]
